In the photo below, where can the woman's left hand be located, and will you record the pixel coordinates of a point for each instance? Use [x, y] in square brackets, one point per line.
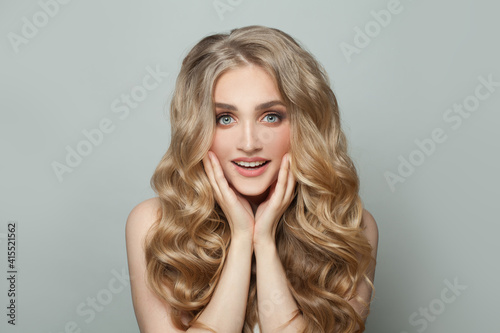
[270, 210]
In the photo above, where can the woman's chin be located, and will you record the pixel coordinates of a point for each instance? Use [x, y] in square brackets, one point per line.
[255, 196]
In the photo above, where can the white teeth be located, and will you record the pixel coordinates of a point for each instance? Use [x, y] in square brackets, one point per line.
[250, 164]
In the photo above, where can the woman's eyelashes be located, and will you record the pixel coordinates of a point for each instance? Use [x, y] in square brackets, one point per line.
[271, 117]
[224, 119]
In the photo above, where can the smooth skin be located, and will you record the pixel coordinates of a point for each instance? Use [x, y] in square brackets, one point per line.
[252, 121]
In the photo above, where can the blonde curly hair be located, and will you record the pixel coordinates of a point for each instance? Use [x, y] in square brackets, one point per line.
[319, 237]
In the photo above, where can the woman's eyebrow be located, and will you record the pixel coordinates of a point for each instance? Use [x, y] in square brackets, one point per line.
[257, 108]
[268, 105]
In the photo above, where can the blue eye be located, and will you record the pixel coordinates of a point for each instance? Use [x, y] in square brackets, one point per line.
[272, 117]
[224, 119]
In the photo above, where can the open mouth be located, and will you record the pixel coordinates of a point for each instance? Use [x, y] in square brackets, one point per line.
[251, 165]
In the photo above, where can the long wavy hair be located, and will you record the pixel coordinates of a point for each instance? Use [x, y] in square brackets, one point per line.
[319, 237]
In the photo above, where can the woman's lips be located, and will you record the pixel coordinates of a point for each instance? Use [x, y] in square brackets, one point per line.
[251, 171]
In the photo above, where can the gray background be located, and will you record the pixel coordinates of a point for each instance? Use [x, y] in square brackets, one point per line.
[436, 227]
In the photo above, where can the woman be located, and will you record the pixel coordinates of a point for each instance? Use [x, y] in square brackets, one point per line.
[258, 222]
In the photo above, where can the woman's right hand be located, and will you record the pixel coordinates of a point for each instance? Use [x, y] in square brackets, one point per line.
[237, 209]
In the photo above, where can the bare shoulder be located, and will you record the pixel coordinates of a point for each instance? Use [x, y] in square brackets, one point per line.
[368, 222]
[152, 313]
[139, 221]
[364, 289]
[370, 229]
[142, 216]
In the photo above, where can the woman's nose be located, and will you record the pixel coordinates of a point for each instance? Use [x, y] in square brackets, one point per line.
[249, 138]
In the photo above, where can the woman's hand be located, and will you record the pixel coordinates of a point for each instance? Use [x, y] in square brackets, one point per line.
[270, 210]
[237, 209]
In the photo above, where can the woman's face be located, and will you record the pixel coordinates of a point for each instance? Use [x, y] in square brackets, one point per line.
[252, 130]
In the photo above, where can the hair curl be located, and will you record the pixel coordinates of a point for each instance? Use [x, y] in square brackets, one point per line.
[319, 237]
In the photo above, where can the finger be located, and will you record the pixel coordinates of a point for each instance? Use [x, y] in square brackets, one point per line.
[244, 202]
[219, 177]
[290, 187]
[282, 180]
[207, 163]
